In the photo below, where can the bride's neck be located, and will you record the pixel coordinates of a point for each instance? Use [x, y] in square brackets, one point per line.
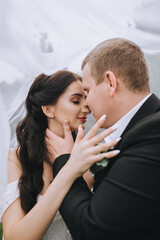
[56, 128]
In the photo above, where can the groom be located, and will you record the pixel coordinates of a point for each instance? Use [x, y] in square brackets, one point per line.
[126, 202]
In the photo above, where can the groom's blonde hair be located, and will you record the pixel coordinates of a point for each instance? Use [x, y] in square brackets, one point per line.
[124, 58]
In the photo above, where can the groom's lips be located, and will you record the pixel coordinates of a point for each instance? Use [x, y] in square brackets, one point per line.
[82, 119]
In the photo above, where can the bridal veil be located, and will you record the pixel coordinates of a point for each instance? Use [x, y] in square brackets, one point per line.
[44, 36]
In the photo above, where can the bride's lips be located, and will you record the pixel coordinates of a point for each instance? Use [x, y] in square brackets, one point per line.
[82, 119]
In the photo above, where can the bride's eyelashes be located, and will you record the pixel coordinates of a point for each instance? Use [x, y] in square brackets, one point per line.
[78, 99]
[76, 102]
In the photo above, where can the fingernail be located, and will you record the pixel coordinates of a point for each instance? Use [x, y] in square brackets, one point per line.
[118, 139]
[103, 117]
[115, 126]
[47, 131]
[116, 152]
[80, 127]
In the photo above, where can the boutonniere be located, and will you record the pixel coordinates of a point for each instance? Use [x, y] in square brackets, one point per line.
[96, 167]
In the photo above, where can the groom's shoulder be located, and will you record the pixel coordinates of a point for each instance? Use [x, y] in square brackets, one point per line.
[154, 102]
[153, 119]
[148, 125]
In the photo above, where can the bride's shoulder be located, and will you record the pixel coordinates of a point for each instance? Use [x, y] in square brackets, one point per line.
[14, 166]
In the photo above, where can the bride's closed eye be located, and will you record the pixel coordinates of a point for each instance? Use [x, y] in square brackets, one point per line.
[76, 102]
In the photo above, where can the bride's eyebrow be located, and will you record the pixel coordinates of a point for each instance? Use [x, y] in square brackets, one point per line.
[76, 94]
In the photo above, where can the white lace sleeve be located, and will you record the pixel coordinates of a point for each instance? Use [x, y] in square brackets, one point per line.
[11, 194]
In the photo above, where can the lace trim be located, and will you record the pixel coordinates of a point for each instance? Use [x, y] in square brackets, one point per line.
[11, 194]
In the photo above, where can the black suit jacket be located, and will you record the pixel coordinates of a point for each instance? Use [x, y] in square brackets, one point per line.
[126, 202]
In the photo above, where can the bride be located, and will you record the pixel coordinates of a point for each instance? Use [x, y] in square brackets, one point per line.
[27, 208]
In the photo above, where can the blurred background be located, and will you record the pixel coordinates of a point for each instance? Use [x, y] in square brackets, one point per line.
[47, 35]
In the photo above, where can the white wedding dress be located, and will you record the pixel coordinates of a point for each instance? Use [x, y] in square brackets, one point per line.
[57, 229]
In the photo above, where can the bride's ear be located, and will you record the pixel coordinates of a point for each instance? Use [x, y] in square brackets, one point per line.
[48, 110]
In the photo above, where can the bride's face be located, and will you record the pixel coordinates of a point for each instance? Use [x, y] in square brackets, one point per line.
[71, 106]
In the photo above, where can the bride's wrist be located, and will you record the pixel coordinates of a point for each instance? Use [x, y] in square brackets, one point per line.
[70, 171]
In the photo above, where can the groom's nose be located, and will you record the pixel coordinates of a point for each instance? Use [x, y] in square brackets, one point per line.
[86, 108]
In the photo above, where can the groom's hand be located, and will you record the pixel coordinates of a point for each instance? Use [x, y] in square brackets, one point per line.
[57, 145]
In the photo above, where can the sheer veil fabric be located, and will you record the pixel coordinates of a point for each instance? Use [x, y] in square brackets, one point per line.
[45, 36]
[4, 143]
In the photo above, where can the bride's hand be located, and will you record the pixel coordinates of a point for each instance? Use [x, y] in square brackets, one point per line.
[86, 152]
[56, 145]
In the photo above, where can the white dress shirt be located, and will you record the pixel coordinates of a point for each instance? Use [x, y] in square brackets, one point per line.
[123, 122]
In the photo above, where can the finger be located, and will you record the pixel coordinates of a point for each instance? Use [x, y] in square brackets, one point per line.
[100, 137]
[95, 128]
[67, 131]
[50, 134]
[46, 140]
[113, 153]
[48, 143]
[79, 134]
[110, 154]
[50, 150]
[105, 146]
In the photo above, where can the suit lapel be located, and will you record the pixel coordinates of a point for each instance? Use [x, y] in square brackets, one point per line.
[152, 105]
[149, 107]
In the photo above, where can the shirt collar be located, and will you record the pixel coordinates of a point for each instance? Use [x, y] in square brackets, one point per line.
[123, 122]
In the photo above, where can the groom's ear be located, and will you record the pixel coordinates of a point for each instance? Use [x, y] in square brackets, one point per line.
[112, 82]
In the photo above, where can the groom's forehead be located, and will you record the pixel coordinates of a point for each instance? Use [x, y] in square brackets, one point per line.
[88, 82]
[87, 79]
[85, 85]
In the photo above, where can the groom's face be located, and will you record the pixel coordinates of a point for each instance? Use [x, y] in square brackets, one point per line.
[97, 95]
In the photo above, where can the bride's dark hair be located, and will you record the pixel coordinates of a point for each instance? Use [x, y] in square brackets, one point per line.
[32, 150]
